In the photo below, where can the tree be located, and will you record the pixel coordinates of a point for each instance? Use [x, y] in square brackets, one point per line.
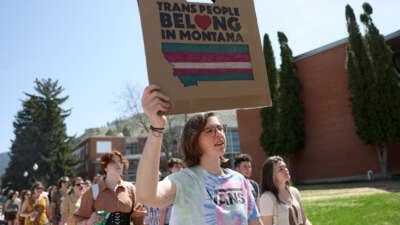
[373, 83]
[359, 69]
[126, 131]
[283, 124]
[111, 132]
[40, 138]
[268, 114]
[385, 92]
[290, 131]
[130, 101]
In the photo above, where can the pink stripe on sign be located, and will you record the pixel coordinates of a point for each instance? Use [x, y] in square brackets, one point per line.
[210, 71]
[206, 57]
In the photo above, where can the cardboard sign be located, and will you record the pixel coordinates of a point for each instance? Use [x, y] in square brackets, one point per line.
[205, 56]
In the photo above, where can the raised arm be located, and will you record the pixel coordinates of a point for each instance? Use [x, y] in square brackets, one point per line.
[150, 192]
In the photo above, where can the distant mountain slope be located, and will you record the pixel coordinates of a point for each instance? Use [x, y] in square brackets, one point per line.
[135, 124]
[4, 160]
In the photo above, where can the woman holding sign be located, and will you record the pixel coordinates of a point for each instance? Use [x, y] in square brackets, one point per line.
[203, 193]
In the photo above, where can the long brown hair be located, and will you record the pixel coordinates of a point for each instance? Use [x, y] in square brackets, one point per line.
[268, 176]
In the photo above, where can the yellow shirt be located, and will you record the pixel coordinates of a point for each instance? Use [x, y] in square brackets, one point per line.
[68, 206]
[40, 205]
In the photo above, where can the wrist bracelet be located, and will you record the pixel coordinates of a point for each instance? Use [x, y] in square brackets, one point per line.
[159, 130]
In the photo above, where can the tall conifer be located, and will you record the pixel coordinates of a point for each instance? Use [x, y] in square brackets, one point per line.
[359, 69]
[40, 138]
[268, 122]
[385, 98]
[290, 131]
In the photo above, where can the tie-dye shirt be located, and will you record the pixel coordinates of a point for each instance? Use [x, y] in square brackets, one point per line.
[206, 198]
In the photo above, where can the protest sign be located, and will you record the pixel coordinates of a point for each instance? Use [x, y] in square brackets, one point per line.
[205, 56]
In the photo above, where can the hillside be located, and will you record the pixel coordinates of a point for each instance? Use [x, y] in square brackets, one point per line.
[4, 160]
[134, 126]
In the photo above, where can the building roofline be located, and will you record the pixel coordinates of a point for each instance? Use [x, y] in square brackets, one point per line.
[93, 137]
[337, 43]
[392, 35]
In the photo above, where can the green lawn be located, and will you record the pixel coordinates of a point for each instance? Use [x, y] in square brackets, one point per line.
[376, 209]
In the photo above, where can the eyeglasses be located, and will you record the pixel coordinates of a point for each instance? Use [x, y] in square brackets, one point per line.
[78, 184]
[212, 130]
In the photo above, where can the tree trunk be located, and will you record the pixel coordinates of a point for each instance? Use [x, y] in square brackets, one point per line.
[382, 156]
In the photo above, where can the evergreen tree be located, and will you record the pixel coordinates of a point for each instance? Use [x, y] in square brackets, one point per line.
[40, 138]
[126, 131]
[290, 116]
[359, 69]
[268, 122]
[385, 91]
[111, 132]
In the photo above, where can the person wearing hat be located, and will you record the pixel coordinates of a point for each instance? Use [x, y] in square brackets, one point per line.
[34, 209]
[57, 198]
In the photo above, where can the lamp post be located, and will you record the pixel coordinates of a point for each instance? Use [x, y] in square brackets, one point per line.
[35, 167]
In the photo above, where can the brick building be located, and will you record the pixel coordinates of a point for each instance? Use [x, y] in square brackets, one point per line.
[90, 150]
[332, 151]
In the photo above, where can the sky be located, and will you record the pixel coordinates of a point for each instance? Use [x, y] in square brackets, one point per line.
[94, 48]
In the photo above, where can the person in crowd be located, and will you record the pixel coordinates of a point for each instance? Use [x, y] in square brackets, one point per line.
[4, 197]
[111, 194]
[243, 165]
[56, 199]
[280, 203]
[11, 207]
[86, 184]
[50, 191]
[35, 207]
[25, 194]
[71, 202]
[153, 216]
[204, 192]
[97, 178]
[174, 165]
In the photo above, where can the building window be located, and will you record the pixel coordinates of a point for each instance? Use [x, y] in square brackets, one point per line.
[81, 152]
[233, 142]
[103, 146]
[132, 149]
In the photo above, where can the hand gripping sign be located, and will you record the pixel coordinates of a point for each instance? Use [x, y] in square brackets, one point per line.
[205, 56]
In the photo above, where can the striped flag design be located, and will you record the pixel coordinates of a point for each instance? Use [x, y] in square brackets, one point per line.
[208, 62]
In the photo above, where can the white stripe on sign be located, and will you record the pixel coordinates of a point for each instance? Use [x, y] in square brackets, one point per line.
[222, 65]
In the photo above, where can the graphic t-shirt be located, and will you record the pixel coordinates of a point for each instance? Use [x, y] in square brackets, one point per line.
[206, 198]
[153, 216]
